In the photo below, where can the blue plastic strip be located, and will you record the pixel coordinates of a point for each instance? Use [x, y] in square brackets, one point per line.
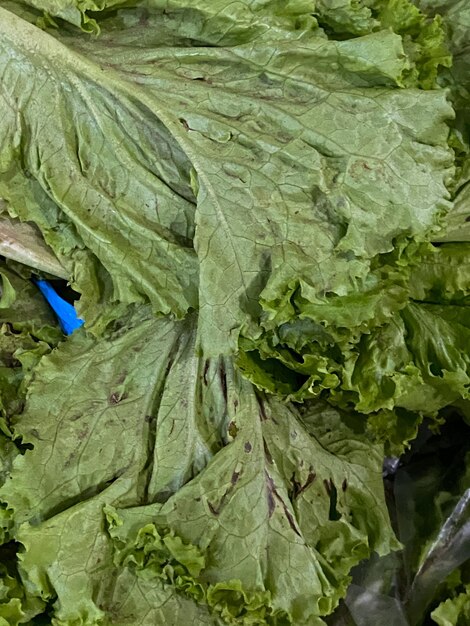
[65, 312]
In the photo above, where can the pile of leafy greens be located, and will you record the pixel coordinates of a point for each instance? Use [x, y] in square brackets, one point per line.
[264, 206]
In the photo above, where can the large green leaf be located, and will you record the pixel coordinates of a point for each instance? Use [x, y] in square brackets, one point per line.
[289, 194]
[125, 219]
[184, 449]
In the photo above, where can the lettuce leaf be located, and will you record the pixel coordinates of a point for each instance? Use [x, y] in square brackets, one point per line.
[453, 611]
[181, 121]
[209, 487]
[221, 24]
[263, 205]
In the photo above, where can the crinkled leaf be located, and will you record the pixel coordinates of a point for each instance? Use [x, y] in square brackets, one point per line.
[219, 23]
[458, 223]
[443, 275]
[424, 38]
[453, 611]
[347, 16]
[15, 608]
[417, 362]
[456, 19]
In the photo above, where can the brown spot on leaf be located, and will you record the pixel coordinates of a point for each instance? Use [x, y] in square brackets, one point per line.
[212, 508]
[70, 459]
[206, 369]
[215, 509]
[344, 484]
[271, 504]
[232, 430]
[203, 79]
[116, 397]
[290, 519]
[223, 380]
[270, 494]
[298, 488]
[273, 493]
[169, 365]
[248, 447]
[267, 453]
